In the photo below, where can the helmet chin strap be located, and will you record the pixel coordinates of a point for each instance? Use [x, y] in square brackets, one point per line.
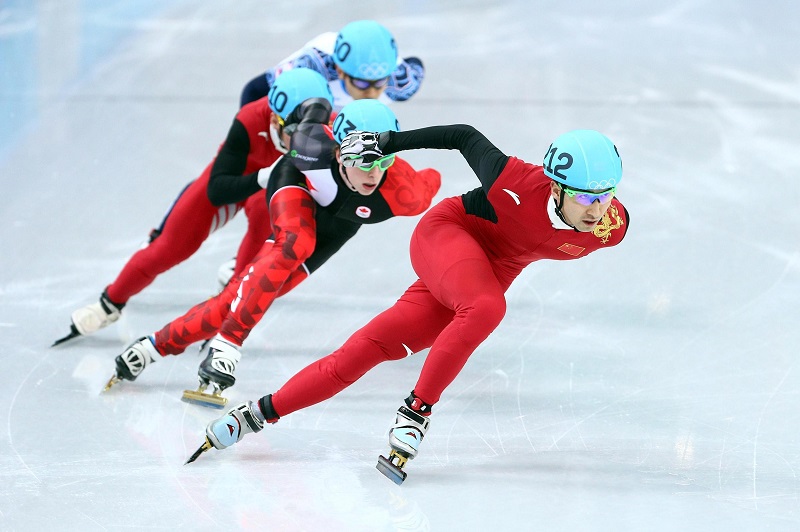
[343, 173]
[275, 136]
[560, 214]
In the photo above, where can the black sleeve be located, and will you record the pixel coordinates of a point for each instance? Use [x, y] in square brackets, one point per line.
[311, 148]
[485, 159]
[227, 183]
[256, 88]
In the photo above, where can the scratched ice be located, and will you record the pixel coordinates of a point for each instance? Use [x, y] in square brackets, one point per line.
[651, 387]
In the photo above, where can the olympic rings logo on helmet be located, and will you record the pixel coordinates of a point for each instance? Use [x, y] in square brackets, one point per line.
[365, 49]
[372, 71]
[601, 185]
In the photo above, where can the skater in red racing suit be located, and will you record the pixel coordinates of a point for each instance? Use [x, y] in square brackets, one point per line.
[318, 200]
[466, 251]
[238, 172]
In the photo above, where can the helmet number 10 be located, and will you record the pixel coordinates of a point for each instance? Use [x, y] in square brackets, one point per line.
[277, 99]
[565, 159]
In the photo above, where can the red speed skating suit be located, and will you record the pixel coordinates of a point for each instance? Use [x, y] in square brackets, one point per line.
[193, 216]
[312, 214]
[466, 251]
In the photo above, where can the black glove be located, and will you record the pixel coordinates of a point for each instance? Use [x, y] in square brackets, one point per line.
[313, 110]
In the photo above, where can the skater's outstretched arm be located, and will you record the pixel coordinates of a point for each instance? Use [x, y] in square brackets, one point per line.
[485, 159]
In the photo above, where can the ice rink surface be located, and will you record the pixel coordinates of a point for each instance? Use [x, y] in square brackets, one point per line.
[653, 386]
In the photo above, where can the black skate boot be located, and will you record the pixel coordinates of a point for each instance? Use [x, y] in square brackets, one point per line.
[132, 361]
[409, 429]
[216, 374]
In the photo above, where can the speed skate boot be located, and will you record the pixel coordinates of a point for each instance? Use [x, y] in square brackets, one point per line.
[91, 318]
[231, 428]
[409, 429]
[216, 374]
[132, 361]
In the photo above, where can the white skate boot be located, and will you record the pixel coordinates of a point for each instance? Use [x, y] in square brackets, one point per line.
[91, 318]
[238, 421]
[404, 438]
[231, 428]
[132, 361]
[216, 374]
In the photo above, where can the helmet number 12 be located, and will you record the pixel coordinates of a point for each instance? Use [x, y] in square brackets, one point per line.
[565, 159]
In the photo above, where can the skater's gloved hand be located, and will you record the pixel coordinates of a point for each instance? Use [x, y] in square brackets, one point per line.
[264, 173]
[311, 111]
[360, 148]
[406, 79]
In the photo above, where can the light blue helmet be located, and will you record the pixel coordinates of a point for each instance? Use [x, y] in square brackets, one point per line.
[293, 87]
[366, 50]
[364, 115]
[583, 159]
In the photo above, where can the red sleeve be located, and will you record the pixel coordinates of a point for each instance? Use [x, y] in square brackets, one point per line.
[407, 191]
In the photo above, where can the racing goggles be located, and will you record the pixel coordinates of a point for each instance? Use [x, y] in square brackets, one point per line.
[586, 198]
[364, 84]
[352, 161]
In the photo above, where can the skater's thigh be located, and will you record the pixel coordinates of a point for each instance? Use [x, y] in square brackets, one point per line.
[411, 324]
[259, 229]
[255, 208]
[452, 264]
[191, 219]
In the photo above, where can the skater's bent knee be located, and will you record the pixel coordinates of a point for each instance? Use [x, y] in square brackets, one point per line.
[489, 310]
[357, 356]
[295, 247]
[481, 318]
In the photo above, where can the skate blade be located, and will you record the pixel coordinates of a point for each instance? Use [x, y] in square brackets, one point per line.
[203, 448]
[111, 382]
[390, 471]
[196, 397]
[73, 333]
